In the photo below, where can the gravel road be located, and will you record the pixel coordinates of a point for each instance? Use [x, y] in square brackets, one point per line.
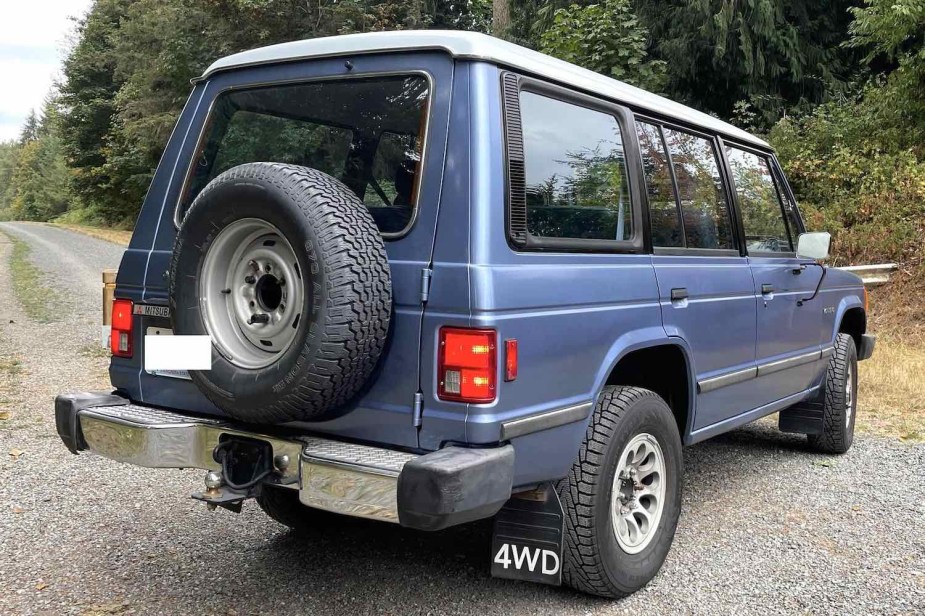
[767, 526]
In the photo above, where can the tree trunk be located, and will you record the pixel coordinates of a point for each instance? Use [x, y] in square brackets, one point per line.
[500, 18]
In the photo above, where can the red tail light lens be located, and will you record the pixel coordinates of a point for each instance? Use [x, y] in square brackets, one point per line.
[510, 360]
[467, 365]
[120, 337]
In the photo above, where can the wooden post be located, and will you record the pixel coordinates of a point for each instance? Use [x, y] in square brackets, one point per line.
[109, 291]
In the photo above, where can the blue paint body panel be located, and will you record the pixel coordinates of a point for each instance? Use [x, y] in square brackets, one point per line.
[574, 314]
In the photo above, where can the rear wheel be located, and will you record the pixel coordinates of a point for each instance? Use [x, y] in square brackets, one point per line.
[622, 497]
[284, 506]
[840, 399]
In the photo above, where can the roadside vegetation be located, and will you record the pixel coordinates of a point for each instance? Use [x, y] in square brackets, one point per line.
[116, 236]
[10, 370]
[41, 303]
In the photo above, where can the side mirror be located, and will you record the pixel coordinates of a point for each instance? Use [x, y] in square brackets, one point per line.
[814, 245]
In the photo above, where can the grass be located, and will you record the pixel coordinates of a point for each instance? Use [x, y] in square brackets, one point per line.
[10, 370]
[10, 366]
[39, 302]
[891, 394]
[116, 236]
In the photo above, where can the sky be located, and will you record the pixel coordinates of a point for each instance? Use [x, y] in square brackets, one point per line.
[34, 38]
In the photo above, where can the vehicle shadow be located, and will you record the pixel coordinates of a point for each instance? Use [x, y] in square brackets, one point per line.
[353, 566]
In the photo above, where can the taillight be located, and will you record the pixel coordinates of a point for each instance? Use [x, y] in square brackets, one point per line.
[120, 337]
[467, 365]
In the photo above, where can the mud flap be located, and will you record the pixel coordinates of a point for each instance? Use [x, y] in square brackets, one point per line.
[526, 543]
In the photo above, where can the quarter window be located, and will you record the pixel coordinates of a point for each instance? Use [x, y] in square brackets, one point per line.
[759, 201]
[704, 210]
[576, 179]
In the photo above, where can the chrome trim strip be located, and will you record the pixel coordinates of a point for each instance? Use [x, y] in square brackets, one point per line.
[725, 425]
[790, 362]
[828, 352]
[544, 421]
[723, 380]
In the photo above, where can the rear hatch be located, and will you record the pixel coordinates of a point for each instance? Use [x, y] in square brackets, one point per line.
[379, 124]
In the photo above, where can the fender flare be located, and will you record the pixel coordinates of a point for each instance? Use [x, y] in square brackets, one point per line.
[647, 338]
[844, 305]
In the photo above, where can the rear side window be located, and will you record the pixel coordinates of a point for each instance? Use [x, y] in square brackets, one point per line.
[366, 132]
[759, 201]
[704, 210]
[576, 178]
[664, 213]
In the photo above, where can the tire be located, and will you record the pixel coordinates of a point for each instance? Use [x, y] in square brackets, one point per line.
[595, 559]
[839, 399]
[297, 248]
[283, 505]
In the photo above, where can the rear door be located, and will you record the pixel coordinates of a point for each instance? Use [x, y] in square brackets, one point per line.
[705, 284]
[789, 327]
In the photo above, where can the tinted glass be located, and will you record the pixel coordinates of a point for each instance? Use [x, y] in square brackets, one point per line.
[366, 132]
[576, 171]
[704, 209]
[663, 208]
[762, 215]
[791, 214]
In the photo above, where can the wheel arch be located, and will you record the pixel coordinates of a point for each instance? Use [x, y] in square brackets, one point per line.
[853, 322]
[654, 361]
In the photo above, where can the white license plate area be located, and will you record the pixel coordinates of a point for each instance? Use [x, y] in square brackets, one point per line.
[173, 374]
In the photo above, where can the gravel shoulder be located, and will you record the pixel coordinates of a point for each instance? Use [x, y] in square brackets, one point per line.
[767, 526]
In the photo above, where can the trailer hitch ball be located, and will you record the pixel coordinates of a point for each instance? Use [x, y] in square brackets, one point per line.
[213, 482]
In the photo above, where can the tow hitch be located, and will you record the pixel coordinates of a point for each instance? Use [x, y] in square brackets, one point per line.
[245, 464]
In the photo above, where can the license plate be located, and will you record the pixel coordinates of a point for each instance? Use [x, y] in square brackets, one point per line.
[527, 539]
[173, 374]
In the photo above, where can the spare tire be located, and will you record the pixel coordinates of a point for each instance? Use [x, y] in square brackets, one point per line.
[284, 268]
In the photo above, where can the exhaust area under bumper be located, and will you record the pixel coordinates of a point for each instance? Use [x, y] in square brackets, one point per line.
[429, 492]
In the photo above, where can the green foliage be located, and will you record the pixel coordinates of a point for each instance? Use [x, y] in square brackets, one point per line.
[859, 164]
[775, 55]
[607, 38]
[34, 178]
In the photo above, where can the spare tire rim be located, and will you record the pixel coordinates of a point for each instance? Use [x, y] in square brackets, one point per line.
[638, 494]
[251, 293]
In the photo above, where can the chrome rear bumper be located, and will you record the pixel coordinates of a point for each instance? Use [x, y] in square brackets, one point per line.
[449, 486]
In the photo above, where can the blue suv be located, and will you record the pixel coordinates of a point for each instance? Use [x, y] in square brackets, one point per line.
[437, 277]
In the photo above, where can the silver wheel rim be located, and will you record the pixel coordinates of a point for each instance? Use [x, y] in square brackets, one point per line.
[849, 398]
[251, 293]
[638, 494]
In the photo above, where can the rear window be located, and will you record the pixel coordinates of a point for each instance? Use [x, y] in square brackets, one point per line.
[366, 132]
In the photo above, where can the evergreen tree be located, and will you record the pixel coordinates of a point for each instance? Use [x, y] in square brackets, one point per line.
[30, 128]
[767, 55]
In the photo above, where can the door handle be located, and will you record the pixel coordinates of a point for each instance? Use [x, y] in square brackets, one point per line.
[767, 289]
[799, 269]
[678, 294]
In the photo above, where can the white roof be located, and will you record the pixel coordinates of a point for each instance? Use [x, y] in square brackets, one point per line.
[476, 46]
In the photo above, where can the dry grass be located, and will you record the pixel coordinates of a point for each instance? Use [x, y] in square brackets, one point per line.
[116, 236]
[891, 396]
[41, 302]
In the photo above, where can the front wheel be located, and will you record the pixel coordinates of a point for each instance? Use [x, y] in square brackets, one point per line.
[839, 399]
[622, 497]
